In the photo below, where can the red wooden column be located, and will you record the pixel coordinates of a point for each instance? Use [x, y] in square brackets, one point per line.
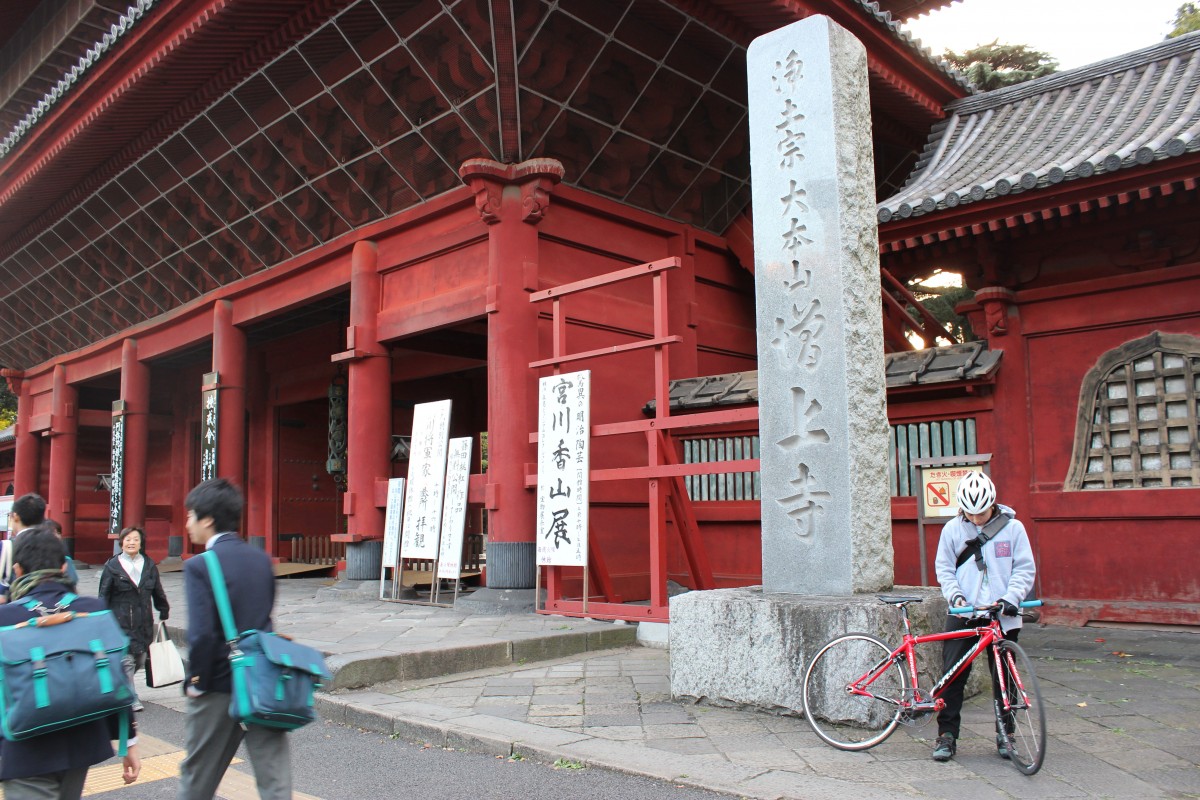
[512, 199]
[368, 417]
[135, 391]
[260, 475]
[28, 455]
[229, 362]
[1001, 323]
[682, 307]
[64, 429]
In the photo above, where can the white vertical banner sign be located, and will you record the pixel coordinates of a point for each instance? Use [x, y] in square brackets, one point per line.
[391, 530]
[454, 510]
[426, 481]
[564, 448]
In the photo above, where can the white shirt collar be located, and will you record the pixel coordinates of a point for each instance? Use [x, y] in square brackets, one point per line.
[209, 544]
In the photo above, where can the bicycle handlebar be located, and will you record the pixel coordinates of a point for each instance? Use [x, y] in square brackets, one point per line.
[993, 607]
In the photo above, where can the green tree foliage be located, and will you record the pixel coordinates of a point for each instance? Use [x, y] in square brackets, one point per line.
[940, 301]
[8, 405]
[995, 65]
[1187, 19]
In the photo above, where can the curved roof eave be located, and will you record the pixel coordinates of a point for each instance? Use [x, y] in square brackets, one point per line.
[1125, 113]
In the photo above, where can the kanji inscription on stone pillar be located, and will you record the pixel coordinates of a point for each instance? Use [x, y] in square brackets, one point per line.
[826, 513]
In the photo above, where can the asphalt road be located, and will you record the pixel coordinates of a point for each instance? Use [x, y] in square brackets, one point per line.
[332, 762]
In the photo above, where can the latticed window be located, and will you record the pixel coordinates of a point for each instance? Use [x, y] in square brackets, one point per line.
[723, 485]
[935, 439]
[1137, 421]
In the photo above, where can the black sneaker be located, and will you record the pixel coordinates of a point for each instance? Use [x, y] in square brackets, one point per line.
[1002, 747]
[944, 747]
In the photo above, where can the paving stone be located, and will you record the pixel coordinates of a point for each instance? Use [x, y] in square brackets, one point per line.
[625, 733]
[604, 720]
[1100, 742]
[693, 746]
[672, 731]
[660, 718]
[550, 710]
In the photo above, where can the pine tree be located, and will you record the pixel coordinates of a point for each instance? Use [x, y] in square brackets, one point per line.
[995, 65]
[1187, 19]
[8, 406]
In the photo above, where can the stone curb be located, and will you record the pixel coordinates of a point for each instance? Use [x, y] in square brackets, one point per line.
[369, 668]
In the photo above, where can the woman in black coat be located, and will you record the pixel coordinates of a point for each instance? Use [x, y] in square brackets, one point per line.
[128, 585]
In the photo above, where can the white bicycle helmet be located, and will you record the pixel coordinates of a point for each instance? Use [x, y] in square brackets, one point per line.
[976, 493]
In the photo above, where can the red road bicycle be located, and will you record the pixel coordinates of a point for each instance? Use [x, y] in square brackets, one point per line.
[857, 689]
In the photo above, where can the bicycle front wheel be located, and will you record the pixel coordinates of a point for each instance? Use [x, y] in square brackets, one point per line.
[842, 718]
[1022, 717]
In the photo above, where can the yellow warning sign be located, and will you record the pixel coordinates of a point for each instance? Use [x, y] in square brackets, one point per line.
[939, 489]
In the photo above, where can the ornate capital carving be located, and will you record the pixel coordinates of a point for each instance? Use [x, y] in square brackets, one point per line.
[995, 301]
[15, 378]
[536, 178]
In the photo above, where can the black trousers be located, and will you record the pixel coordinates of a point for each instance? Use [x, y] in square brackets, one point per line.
[950, 718]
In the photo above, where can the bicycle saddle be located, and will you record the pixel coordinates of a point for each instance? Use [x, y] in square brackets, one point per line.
[898, 599]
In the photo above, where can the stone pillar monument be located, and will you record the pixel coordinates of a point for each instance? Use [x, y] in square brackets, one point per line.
[826, 514]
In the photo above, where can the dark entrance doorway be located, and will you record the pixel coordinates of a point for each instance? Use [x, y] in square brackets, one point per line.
[306, 497]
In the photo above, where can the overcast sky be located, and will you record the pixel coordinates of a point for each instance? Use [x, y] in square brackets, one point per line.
[1076, 32]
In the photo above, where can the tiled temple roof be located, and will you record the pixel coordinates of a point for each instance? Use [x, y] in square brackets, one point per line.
[1114, 115]
[971, 361]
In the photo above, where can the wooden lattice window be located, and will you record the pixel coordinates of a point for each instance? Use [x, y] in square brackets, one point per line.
[936, 439]
[723, 485]
[1137, 417]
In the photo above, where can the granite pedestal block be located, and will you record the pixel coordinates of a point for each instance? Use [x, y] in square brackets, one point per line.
[745, 649]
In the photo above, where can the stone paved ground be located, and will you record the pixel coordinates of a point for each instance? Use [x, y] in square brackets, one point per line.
[1119, 726]
[1123, 706]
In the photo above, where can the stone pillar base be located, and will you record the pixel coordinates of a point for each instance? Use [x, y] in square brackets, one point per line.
[746, 649]
[511, 565]
[497, 601]
[364, 560]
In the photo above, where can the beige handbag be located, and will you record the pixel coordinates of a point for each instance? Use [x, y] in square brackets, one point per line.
[164, 667]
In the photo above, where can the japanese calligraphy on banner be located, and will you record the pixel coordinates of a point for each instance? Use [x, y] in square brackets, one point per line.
[426, 481]
[454, 511]
[391, 522]
[564, 446]
[117, 469]
[209, 419]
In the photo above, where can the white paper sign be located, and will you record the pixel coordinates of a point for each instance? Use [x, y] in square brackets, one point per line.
[454, 510]
[564, 445]
[391, 522]
[6, 504]
[426, 481]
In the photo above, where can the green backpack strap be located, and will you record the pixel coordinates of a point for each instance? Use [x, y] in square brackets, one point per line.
[221, 596]
[39, 609]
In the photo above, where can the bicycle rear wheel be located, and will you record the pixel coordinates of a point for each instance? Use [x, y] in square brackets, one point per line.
[1025, 721]
[850, 721]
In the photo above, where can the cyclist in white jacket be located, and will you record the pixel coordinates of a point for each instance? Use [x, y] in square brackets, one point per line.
[983, 557]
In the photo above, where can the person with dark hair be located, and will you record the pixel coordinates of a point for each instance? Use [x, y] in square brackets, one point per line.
[129, 585]
[214, 513]
[53, 765]
[53, 525]
[28, 511]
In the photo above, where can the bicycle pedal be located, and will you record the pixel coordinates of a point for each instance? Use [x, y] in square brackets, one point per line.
[927, 708]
